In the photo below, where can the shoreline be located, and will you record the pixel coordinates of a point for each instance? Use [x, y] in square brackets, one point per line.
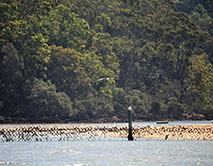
[105, 122]
[163, 132]
[113, 119]
[177, 132]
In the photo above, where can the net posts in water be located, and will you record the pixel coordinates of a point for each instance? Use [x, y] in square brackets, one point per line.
[99, 132]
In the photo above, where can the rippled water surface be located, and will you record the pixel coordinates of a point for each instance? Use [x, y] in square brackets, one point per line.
[114, 152]
[107, 152]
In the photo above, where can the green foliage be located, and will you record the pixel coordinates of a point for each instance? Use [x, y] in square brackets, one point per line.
[11, 78]
[201, 18]
[199, 80]
[47, 104]
[92, 107]
[189, 5]
[66, 72]
[64, 28]
[104, 56]
[140, 102]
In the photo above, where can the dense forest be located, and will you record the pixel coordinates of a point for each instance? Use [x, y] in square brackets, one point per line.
[89, 60]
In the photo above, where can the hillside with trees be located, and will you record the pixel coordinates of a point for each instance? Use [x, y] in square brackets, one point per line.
[89, 60]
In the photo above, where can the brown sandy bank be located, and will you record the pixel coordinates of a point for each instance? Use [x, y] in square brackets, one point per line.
[46, 133]
[177, 132]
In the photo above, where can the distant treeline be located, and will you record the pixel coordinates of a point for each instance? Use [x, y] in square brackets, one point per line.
[88, 60]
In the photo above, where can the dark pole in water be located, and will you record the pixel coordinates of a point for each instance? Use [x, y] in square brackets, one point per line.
[130, 137]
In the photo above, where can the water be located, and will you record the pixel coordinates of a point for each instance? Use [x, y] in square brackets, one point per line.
[116, 152]
[140, 124]
[107, 152]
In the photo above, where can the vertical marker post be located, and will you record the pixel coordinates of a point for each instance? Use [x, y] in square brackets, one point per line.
[130, 137]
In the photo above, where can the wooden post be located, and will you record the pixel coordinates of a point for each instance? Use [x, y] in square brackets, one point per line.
[130, 137]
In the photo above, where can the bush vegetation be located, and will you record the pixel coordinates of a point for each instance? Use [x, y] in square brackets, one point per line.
[84, 60]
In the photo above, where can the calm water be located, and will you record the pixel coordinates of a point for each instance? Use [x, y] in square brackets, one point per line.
[107, 152]
[110, 124]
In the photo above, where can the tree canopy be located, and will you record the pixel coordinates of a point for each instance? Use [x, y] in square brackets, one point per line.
[88, 60]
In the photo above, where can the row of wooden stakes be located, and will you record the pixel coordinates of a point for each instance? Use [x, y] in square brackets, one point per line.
[39, 133]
